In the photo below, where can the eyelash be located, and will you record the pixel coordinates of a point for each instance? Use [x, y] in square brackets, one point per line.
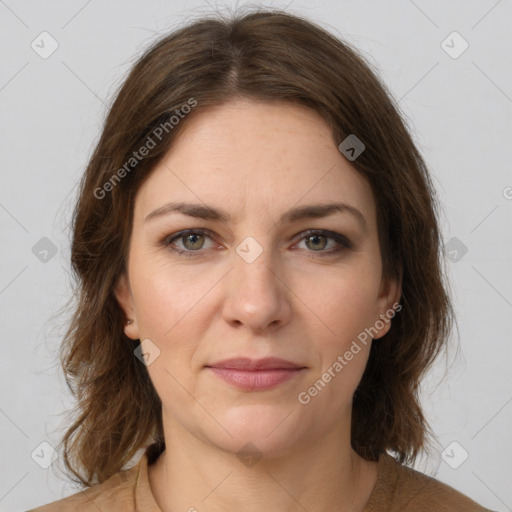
[344, 243]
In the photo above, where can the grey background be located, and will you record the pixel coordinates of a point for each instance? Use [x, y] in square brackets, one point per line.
[459, 110]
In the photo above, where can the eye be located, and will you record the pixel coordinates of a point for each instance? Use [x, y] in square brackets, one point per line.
[316, 242]
[191, 239]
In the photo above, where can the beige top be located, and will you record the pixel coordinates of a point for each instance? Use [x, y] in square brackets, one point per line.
[398, 489]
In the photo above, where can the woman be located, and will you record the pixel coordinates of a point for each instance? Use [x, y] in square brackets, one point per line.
[261, 287]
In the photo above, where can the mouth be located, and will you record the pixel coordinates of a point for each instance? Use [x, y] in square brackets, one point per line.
[256, 374]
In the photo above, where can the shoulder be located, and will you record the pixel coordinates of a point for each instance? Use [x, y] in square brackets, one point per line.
[407, 490]
[115, 494]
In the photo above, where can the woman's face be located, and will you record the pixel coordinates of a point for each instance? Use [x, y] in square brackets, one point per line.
[252, 283]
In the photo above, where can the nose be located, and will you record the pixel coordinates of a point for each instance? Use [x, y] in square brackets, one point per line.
[256, 295]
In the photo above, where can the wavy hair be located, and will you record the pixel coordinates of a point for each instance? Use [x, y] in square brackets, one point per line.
[265, 56]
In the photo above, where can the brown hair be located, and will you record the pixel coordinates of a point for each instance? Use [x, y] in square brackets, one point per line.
[265, 56]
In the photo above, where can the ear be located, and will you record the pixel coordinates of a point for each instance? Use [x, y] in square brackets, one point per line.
[388, 305]
[123, 294]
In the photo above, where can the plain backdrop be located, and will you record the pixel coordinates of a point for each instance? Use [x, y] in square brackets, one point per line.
[458, 103]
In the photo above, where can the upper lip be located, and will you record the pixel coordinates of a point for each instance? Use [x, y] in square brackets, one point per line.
[245, 363]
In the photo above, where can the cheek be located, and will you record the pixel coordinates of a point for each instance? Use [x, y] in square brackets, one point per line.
[345, 308]
[166, 297]
[169, 312]
[344, 302]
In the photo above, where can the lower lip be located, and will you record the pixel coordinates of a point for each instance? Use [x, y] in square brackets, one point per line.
[256, 380]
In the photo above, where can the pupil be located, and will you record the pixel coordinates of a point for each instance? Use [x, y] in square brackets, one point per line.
[315, 237]
[192, 238]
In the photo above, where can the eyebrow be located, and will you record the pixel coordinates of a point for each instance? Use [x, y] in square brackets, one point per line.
[205, 212]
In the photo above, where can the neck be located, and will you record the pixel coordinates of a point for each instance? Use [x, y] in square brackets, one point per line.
[193, 475]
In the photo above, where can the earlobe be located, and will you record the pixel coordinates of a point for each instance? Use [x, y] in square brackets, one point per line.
[123, 295]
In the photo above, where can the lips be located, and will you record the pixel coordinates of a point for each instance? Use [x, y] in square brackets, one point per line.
[256, 374]
[245, 363]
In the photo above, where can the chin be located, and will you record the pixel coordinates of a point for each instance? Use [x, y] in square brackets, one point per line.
[267, 429]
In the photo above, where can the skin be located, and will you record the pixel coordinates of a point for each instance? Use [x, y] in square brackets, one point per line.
[255, 161]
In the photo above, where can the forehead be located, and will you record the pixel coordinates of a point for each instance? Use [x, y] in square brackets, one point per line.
[254, 157]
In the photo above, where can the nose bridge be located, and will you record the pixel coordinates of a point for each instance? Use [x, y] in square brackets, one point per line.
[257, 296]
[255, 265]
